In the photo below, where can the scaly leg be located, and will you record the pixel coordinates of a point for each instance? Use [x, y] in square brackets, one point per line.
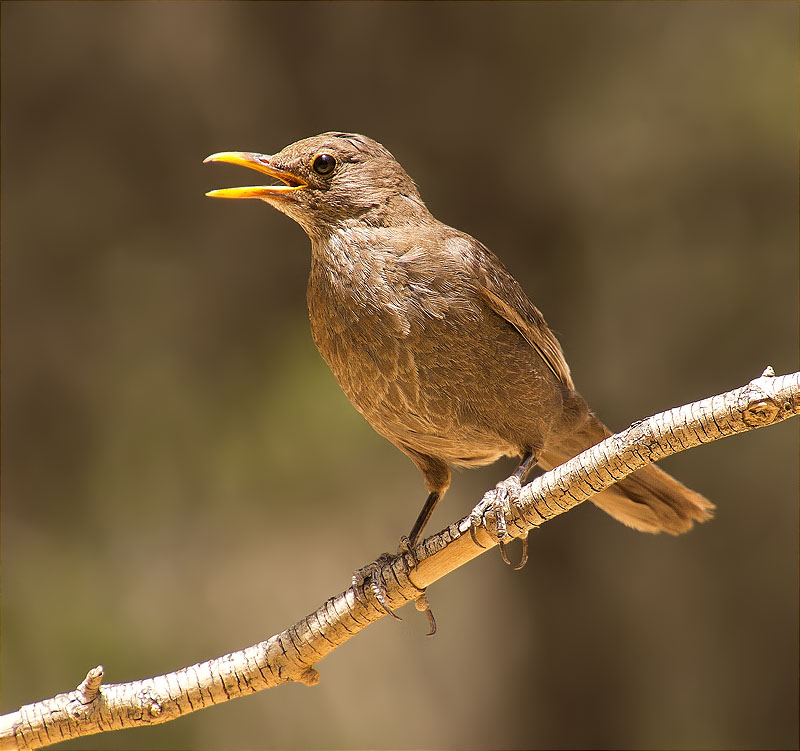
[437, 479]
[498, 502]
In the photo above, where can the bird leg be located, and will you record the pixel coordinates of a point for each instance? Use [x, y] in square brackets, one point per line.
[424, 516]
[408, 544]
[437, 478]
[498, 503]
[372, 571]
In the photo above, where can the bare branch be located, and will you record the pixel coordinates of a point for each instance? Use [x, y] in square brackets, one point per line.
[290, 655]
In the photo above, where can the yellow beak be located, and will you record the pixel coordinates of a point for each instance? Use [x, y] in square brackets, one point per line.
[260, 163]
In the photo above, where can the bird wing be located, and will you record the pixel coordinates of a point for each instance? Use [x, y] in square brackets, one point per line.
[506, 298]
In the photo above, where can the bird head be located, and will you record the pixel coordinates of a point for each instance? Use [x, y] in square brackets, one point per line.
[329, 180]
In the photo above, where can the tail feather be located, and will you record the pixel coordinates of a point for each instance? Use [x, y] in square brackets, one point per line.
[648, 500]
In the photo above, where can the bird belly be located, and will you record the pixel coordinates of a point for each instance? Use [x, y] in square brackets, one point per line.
[437, 391]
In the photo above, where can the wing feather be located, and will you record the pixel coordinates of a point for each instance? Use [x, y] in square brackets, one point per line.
[506, 298]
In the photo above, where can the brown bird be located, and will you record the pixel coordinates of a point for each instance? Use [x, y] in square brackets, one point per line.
[432, 339]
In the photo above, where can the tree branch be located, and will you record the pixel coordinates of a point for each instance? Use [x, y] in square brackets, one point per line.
[290, 655]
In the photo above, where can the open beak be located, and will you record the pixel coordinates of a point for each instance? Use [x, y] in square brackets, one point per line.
[260, 163]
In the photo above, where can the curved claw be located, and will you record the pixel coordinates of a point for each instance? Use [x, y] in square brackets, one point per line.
[379, 592]
[523, 559]
[475, 537]
[379, 597]
[422, 604]
[431, 623]
[370, 575]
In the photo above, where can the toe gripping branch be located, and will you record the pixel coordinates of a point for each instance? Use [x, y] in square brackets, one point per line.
[372, 576]
[498, 512]
[499, 504]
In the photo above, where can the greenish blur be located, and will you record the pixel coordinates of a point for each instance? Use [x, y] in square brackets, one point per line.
[181, 474]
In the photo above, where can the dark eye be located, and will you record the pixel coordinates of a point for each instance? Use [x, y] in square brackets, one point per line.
[324, 164]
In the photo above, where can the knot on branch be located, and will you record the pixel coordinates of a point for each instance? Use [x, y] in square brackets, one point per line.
[758, 407]
[761, 412]
[89, 687]
[310, 677]
[149, 705]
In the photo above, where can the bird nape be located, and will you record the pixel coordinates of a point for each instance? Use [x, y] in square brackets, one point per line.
[432, 339]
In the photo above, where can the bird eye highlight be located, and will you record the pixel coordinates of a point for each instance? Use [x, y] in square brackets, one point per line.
[324, 164]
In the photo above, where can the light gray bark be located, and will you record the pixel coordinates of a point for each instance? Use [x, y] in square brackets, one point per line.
[291, 655]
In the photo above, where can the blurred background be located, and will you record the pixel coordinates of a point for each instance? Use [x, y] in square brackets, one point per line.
[182, 476]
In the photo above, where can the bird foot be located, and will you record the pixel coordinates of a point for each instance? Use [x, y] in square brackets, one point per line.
[498, 504]
[373, 573]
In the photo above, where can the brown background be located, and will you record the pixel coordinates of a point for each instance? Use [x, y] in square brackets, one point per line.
[181, 474]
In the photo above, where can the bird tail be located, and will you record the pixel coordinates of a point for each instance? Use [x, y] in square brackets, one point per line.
[648, 500]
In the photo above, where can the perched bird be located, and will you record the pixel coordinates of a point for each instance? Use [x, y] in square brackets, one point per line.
[431, 338]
